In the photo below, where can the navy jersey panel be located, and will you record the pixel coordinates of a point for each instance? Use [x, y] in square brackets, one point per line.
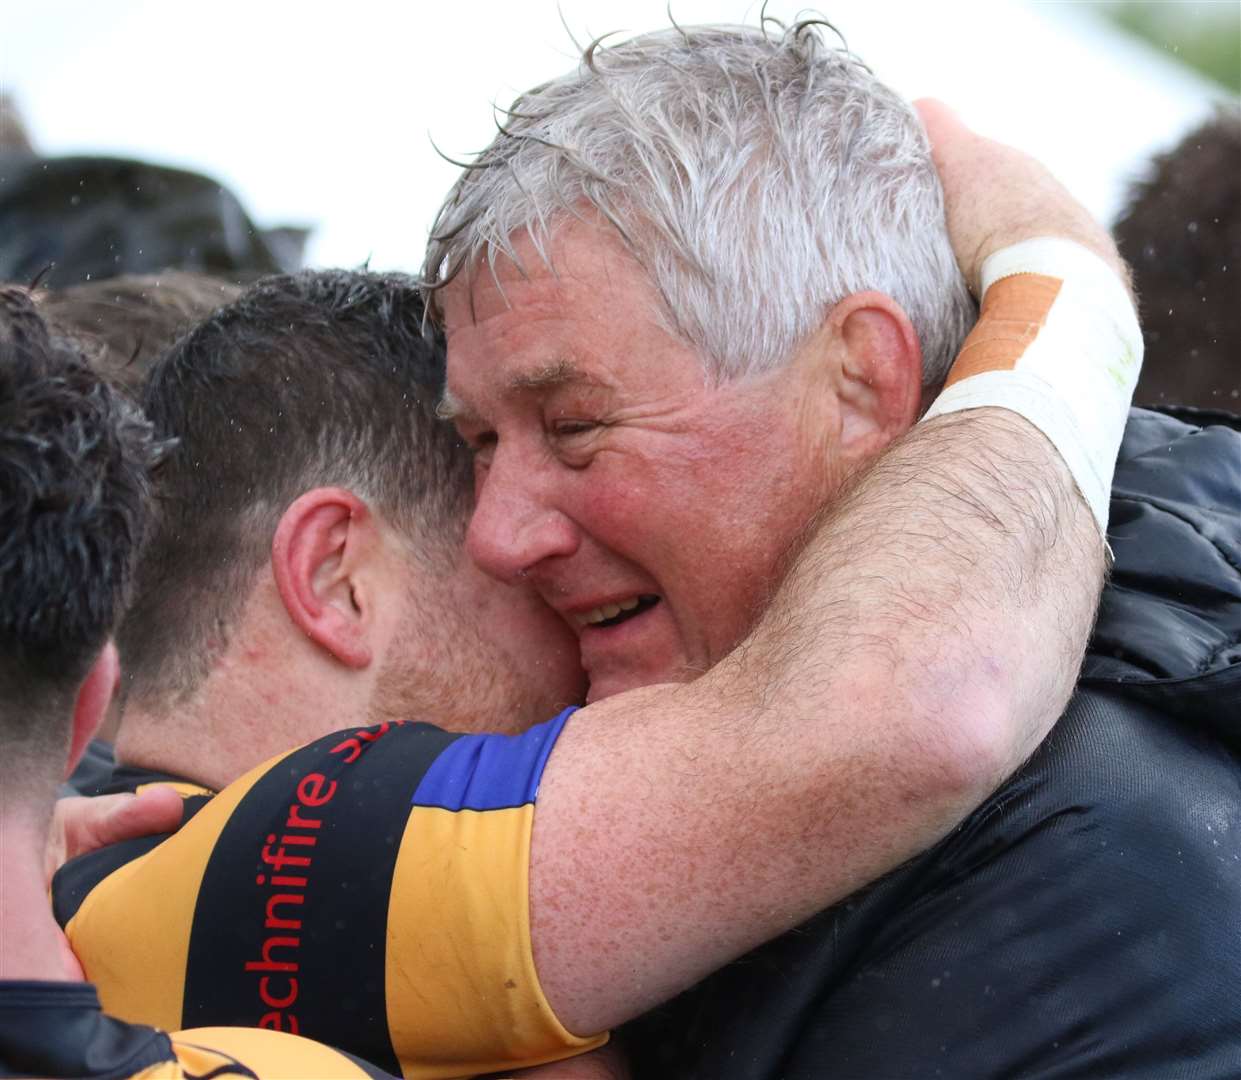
[491, 772]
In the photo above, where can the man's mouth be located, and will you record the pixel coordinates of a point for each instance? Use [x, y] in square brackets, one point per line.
[614, 614]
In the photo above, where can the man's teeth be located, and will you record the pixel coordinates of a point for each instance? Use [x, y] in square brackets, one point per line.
[607, 611]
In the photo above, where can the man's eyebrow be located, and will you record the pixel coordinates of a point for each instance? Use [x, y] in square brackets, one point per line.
[557, 373]
[554, 374]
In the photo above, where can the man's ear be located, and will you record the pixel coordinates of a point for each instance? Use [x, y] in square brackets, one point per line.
[879, 380]
[91, 706]
[322, 540]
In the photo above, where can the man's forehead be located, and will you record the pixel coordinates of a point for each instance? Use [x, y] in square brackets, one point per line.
[481, 295]
[578, 258]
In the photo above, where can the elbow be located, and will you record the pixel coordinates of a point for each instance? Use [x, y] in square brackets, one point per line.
[960, 735]
[984, 736]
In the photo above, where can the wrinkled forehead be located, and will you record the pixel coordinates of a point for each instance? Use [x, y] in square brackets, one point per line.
[503, 330]
[580, 255]
[546, 313]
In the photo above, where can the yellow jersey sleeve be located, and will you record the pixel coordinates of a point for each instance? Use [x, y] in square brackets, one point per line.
[369, 890]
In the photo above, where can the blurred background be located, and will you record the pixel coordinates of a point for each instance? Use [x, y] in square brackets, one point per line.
[234, 139]
[322, 115]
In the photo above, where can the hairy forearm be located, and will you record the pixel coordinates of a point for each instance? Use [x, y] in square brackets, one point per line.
[955, 585]
[922, 644]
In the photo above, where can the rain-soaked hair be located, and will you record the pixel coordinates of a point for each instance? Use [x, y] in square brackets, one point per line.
[757, 174]
[322, 378]
[75, 460]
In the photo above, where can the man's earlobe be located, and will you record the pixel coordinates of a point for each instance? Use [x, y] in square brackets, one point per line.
[91, 706]
[880, 378]
[313, 555]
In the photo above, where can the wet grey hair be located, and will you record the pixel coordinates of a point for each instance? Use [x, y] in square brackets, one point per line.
[757, 174]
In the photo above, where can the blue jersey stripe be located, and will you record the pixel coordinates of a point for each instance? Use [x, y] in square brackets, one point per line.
[490, 772]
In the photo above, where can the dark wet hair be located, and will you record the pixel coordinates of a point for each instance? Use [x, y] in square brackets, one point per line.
[307, 380]
[75, 460]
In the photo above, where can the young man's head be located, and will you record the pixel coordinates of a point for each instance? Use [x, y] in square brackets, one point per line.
[305, 571]
[123, 324]
[691, 287]
[74, 502]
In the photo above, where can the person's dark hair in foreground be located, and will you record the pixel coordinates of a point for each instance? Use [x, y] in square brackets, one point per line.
[124, 324]
[73, 486]
[1181, 234]
[75, 460]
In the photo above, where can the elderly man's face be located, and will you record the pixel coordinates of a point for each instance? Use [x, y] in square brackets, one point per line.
[651, 511]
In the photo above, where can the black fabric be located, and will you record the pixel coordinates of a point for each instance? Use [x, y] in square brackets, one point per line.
[92, 772]
[1172, 609]
[57, 1029]
[1086, 920]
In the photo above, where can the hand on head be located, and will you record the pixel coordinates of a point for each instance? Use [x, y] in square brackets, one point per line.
[996, 196]
[80, 825]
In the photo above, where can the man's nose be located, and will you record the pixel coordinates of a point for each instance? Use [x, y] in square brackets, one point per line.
[515, 526]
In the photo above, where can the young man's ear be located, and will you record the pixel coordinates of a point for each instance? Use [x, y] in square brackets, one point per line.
[323, 539]
[94, 697]
[879, 382]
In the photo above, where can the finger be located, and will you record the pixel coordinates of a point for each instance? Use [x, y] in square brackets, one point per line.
[155, 810]
[941, 121]
[109, 819]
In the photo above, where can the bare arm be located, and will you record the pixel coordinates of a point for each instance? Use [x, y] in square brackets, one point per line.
[918, 651]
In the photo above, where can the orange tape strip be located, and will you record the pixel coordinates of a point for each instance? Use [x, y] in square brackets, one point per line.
[1013, 312]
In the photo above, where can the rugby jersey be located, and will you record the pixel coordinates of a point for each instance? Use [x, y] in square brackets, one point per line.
[57, 1029]
[368, 890]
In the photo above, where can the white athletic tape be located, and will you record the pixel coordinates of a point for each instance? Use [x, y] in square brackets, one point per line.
[1058, 342]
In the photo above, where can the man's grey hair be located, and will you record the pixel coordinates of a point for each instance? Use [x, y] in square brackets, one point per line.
[757, 174]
